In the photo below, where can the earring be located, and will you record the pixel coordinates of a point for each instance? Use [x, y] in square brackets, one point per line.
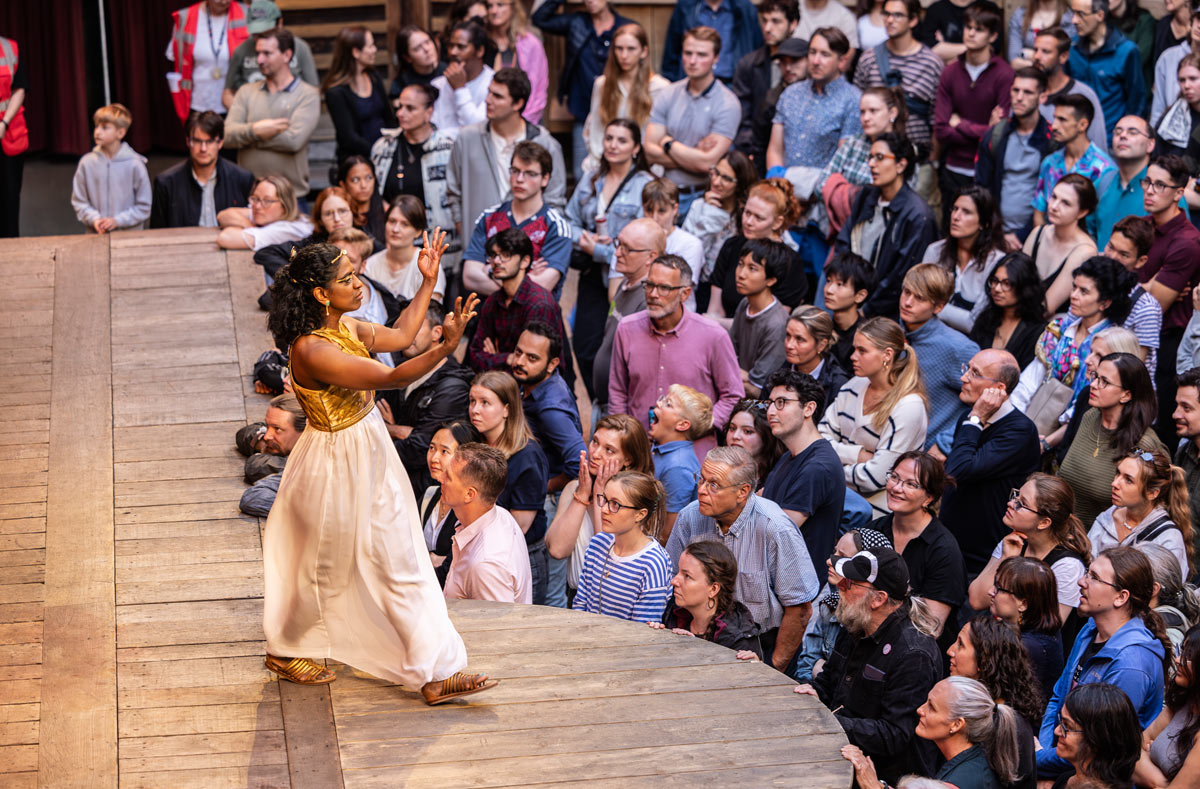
[712, 603]
[326, 309]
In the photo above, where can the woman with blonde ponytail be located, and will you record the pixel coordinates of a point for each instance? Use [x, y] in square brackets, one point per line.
[880, 413]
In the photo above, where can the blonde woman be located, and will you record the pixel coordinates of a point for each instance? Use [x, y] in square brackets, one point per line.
[880, 413]
[272, 217]
[626, 89]
[518, 46]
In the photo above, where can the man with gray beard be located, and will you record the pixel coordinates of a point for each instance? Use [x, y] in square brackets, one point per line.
[881, 668]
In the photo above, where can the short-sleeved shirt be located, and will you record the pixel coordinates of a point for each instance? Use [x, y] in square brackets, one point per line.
[832, 14]
[689, 119]
[1093, 165]
[1117, 201]
[525, 488]
[812, 483]
[1022, 164]
[547, 230]
[814, 122]
[936, 570]
[1067, 572]
[676, 467]
[758, 340]
[1173, 263]
[919, 75]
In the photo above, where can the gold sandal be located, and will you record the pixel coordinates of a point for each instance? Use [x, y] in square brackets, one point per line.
[301, 671]
[458, 685]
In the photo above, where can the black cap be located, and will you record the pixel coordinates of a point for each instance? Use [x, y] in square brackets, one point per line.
[792, 47]
[883, 568]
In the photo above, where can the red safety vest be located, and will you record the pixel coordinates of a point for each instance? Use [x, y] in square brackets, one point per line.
[16, 135]
[183, 39]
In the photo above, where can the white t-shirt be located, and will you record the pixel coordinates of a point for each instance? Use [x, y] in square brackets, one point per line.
[403, 283]
[1067, 573]
[834, 14]
[278, 232]
[210, 33]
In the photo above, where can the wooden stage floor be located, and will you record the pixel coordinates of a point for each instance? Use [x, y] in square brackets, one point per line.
[130, 586]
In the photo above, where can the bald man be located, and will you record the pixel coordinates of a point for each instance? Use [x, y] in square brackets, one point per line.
[995, 448]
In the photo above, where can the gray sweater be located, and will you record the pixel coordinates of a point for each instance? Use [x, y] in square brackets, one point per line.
[287, 152]
[118, 187]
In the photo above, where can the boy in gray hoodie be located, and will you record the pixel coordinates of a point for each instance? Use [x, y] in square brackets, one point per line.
[112, 189]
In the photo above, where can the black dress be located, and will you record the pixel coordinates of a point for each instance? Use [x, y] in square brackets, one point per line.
[1022, 343]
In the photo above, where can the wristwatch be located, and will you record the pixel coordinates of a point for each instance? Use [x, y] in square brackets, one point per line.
[666, 146]
[975, 420]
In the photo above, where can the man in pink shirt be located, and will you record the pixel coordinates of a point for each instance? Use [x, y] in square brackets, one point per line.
[490, 560]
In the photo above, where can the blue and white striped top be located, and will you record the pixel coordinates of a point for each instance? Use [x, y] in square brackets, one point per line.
[636, 587]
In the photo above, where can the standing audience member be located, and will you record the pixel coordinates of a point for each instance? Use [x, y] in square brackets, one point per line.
[748, 428]
[356, 174]
[848, 284]
[733, 21]
[1121, 194]
[1187, 426]
[517, 46]
[204, 37]
[1129, 244]
[271, 123]
[395, 267]
[995, 449]
[273, 217]
[626, 572]
[1097, 734]
[1023, 598]
[354, 94]
[489, 561]
[1166, 70]
[261, 16]
[437, 517]
[549, 404]
[1015, 313]
[757, 74]
[418, 60]
[1051, 53]
[716, 218]
[973, 246]
[463, 86]
[775, 578]
[1172, 735]
[660, 202]
[1077, 154]
[111, 189]
[1028, 21]
[192, 192]
[1173, 600]
[677, 421]
[808, 348]
[14, 81]
[1171, 29]
[1107, 61]
[1068, 244]
[760, 318]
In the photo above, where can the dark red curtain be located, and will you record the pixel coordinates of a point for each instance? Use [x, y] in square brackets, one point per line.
[138, 32]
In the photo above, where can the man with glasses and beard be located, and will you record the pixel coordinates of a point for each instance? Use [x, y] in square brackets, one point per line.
[193, 192]
[881, 668]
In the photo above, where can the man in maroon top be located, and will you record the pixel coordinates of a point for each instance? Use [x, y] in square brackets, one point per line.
[1171, 270]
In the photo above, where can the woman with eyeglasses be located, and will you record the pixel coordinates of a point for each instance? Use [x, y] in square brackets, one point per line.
[395, 267]
[626, 572]
[1062, 244]
[272, 217]
[701, 603]
[1150, 503]
[1120, 420]
[1172, 760]
[935, 565]
[1024, 596]
[1041, 514]
[1098, 734]
[749, 430]
[971, 250]
[1013, 314]
[808, 343]
[1122, 645]
[716, 218]
[1114, 339]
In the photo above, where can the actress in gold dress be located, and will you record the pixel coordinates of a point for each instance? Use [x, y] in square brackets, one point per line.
[346, 572]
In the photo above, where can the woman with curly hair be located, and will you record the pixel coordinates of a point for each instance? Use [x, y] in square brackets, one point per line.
[1013, 314]
[990, 651]
[1172, 760]
[346, 572]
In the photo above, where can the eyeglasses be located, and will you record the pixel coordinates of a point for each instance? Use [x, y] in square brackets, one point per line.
[974, 375]
[880, 157]
[1001, 590]
[1091, 576]
[492, 260]
[263, 201]
[713, 172]
[845, 584]
[708, 485]
[1000, 284]
[1129, 131]
[892, 478]
[612, 506]
[1100, 382]
[619, 247]
[780, 403]
[653, 287]
[1060, 724]
[519, 174]
[196, 141]
[895, 15]
[1014, 497]
[1157, 187]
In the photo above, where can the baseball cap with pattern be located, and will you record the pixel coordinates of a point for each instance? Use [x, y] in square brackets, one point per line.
[883, 568]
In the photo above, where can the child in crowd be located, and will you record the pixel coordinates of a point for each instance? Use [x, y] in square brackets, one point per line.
[848, 283]
[679, 417]
[760, 319]
[112, 189]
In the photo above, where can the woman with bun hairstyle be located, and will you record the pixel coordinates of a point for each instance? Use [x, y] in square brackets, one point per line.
[808, 343]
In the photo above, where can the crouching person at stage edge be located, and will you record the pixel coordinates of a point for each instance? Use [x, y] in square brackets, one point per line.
[881, 668]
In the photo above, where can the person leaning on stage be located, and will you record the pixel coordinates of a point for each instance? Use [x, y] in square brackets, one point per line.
[266, 446]
[490, 561]
[192, 192]
[881, 668]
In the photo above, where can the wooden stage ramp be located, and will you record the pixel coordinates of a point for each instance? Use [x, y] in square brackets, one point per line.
[130, 586]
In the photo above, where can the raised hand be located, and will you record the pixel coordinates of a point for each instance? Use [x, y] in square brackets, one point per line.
[456, 322]
[608, 467]
[429, 260]
[585, 479]
[1012, 545]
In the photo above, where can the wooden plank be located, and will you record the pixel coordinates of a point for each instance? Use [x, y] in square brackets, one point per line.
[205, 719]
[25, 733]
[142, 439]
[14, 476]
[22, 495]
[245, 281]
[194, 673]
[191, 651]
[173, 373]
[312, 740]
[11, 713]
[15, 613]
[228, 465]
[21, 691]
[163, 624]
[22, 525]
[178, 491]
[22, 575]
[210, 528]
[185, 512]
[22, 541]
[260, 776]
[834, 774]
[28, 632]
[163, 237]
[18, 759]
[22, 558]
[20, 654]
[195, 697]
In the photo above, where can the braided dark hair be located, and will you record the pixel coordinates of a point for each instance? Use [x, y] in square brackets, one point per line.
[294, 310]
[1004, 667]
[720, 566]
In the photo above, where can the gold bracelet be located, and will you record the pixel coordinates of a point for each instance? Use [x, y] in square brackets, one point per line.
[372, 345]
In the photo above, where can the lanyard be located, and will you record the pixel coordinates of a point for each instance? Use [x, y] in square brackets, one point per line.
[216, 48]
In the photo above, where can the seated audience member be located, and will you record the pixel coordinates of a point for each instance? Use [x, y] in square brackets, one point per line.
[420, 60]
[775, 578]
[1014, 313]
[1051, 52]
[677, 420]
[357, 119]
[880, 413]
[548, 402]
[823, 628]
[892, 241]
[848, 283]
[528, 212]
[1114, 339]
[1172, 735]
[1098, 735]
[1072, 116]
[261, 16]
[463, 87]
[660, 202]
[272, 218]
[732, 34]
[941, 351]
[702, 601]
[807, 482]
[413, 160]
[1129, 244]
[639, 243]
[749, 429]
[1119, 422]
[1175, 601]
[756, 73]
[808, 348]
[331, 211]
[494, 408]
[1059, 247]
[395, 267]
[667, 344]
[356, 174]
[760, 318]
[438, 520]
[771, 208]
[881, 668]
[715, 218]
[935, 564]
[192, 192]
[111, 189]
[1121, 193]
[990, 651]
[995, 449]
[1122, 646]
[266, 446]
[1023, 597]
[518, 301]
[626, 572]
[1173, 131]
[1010, 156]
[618, 443]
[427, 403]
[490, 561]
[976, 735]
[1044, 527]
[1149, 504]
[974, 246]
[1187, 426]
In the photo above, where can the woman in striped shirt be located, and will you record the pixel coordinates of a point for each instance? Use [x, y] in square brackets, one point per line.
[626, 573]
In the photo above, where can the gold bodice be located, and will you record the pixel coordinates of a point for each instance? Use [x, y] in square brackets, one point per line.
[334, 407]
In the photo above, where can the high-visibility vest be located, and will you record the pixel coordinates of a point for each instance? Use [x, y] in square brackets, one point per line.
[183, 39]
[16, 135]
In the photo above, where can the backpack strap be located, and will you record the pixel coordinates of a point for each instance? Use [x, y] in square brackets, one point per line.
[1157, 527]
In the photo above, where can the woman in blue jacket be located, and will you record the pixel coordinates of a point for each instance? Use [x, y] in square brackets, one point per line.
[1124, 643]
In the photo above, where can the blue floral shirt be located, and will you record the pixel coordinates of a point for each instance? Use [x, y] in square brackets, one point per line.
[1093, 165]
[814, 123]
